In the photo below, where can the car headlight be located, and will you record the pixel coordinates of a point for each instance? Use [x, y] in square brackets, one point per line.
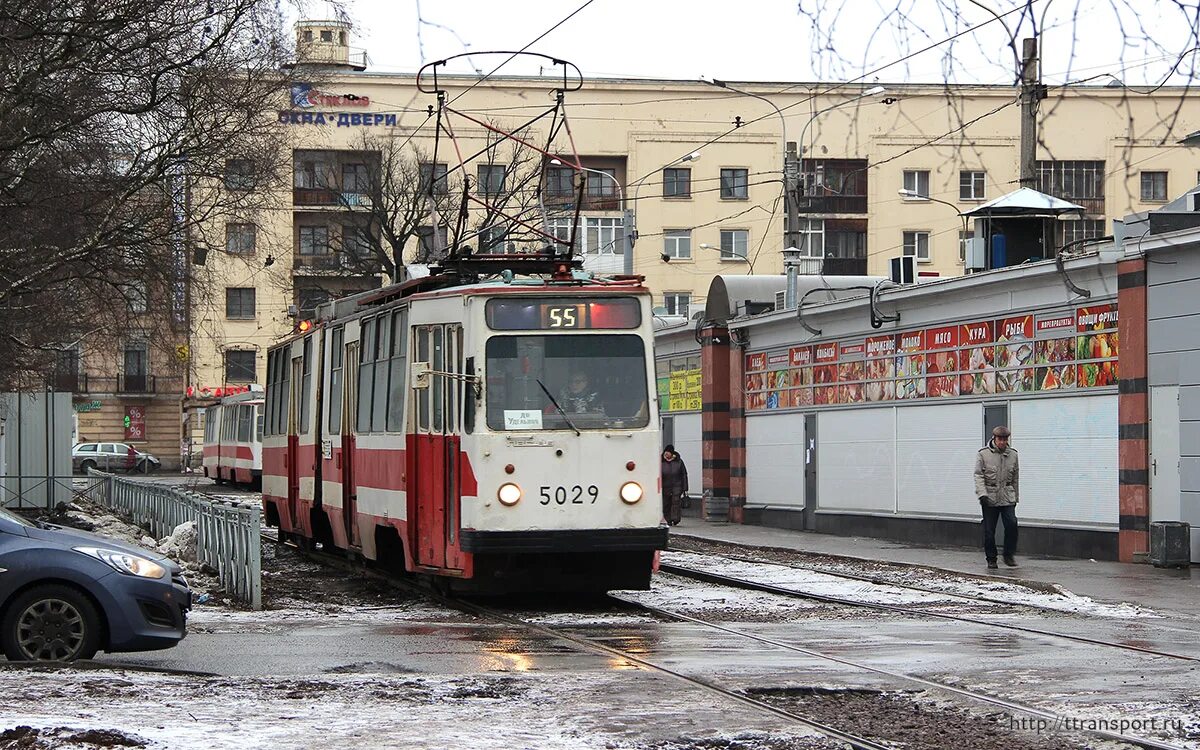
[509, 494]
[123, 562]
[631, 492]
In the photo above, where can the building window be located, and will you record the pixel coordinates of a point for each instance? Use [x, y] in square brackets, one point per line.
[308, 37]
[66, 369]
[135, 296]
[135, 376]
[494, 239]
[240, 239]
[677, 243]
[239, 174]
[917, 244]
[357, 243]
[810, 238]
[677, 182]
[601, 183]
[561, 227]
[239, 366]
[491, 179]
[355, 178]
[734, 243]
[916, 181]
[309, 298]
[314, 240]
[964, 243]
[432, 245]
[735, 184]
[846, 238]
[239, 303]
[1069, 231]
[327, 37]
[560, 181]
[677, 303]
[435, 174]
[305, 173]
[1154, 186]
[1080, 182]
[604, 236]
[970, 185]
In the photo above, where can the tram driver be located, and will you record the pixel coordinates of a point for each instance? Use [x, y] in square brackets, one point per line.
[579, 397]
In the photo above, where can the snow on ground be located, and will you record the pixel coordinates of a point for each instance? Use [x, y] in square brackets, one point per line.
[209, 619]
[617, 709]
[810, 581]
[695, 598]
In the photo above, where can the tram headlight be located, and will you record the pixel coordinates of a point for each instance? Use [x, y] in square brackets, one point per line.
[508, 494]
[631, 492]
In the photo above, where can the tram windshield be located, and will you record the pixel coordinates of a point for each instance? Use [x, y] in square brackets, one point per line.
[565, 381]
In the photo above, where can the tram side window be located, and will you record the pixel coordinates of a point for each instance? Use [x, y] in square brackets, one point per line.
[282, 394]
[380, 393]
[437, 384]
[336, 352]
[258, 420]
[366, 375]
[245, 420]
[422, 397]
[270, 390]
[397, 373]
[306, 387]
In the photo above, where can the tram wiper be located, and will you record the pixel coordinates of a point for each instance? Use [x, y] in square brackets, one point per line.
[556, 406]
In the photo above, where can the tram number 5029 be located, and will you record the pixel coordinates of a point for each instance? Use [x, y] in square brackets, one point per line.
[573, 495]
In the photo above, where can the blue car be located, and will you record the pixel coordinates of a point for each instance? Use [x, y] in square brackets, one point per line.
[66, 594]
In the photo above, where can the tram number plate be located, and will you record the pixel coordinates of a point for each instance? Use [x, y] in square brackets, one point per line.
[569, 495]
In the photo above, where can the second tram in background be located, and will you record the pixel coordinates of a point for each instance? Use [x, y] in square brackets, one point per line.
[499, 436]
[233, 435]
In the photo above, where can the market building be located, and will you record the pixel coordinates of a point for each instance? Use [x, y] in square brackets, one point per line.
[862, 415]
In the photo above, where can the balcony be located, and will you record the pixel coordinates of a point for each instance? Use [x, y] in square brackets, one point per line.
[566, 202]
[334, 264]
[330, 198]
[127, 384]
[833, 204]
[844, 267]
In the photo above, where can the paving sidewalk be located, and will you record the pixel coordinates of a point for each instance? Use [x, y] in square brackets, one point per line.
[1169, 590]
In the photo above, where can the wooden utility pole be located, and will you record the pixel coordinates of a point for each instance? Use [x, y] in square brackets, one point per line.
[1032, 92]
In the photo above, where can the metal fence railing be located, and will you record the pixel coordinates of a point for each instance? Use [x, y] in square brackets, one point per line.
[229, 533]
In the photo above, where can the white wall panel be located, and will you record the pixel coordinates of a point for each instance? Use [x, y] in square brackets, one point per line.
[775, 460]
[856, 455]
[935, 459]
[1068, 449]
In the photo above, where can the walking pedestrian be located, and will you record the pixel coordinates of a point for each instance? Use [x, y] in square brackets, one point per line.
[674, 485]
[998, 487]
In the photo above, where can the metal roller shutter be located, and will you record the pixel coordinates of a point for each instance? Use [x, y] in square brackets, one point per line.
[935, 459]
[775, 461]
[856, 456]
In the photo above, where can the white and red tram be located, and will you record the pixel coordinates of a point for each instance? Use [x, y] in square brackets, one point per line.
[233, 434]
[422, 425]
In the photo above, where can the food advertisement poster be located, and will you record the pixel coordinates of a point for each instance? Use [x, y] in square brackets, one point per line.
[1050, 351]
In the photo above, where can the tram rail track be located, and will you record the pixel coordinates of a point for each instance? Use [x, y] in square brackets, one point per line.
[588, 644]
[724, 580]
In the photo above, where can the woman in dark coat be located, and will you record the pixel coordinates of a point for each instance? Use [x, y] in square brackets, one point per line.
[674, 485]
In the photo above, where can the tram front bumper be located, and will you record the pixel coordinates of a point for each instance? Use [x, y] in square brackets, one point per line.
[563, 540]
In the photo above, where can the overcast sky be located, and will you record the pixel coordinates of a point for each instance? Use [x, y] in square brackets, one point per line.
[774, 40]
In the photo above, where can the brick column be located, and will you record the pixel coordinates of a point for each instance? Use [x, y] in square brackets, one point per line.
[714, 420]
[1133, 411]
[737, 436]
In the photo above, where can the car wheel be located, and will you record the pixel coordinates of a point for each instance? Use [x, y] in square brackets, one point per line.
[87, 466]
[50, 623]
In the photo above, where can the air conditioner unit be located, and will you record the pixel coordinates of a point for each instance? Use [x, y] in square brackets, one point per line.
[976, 259]
[809, 266]
[904, 269]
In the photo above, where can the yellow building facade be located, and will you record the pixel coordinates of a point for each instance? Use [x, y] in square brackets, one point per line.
[694, 167]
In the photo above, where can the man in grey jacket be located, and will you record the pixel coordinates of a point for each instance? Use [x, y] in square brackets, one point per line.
[997, 485]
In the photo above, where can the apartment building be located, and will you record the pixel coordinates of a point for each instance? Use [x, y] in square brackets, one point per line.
[682, 180]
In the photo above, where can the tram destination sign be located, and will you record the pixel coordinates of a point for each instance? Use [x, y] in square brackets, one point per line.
[562, 313]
